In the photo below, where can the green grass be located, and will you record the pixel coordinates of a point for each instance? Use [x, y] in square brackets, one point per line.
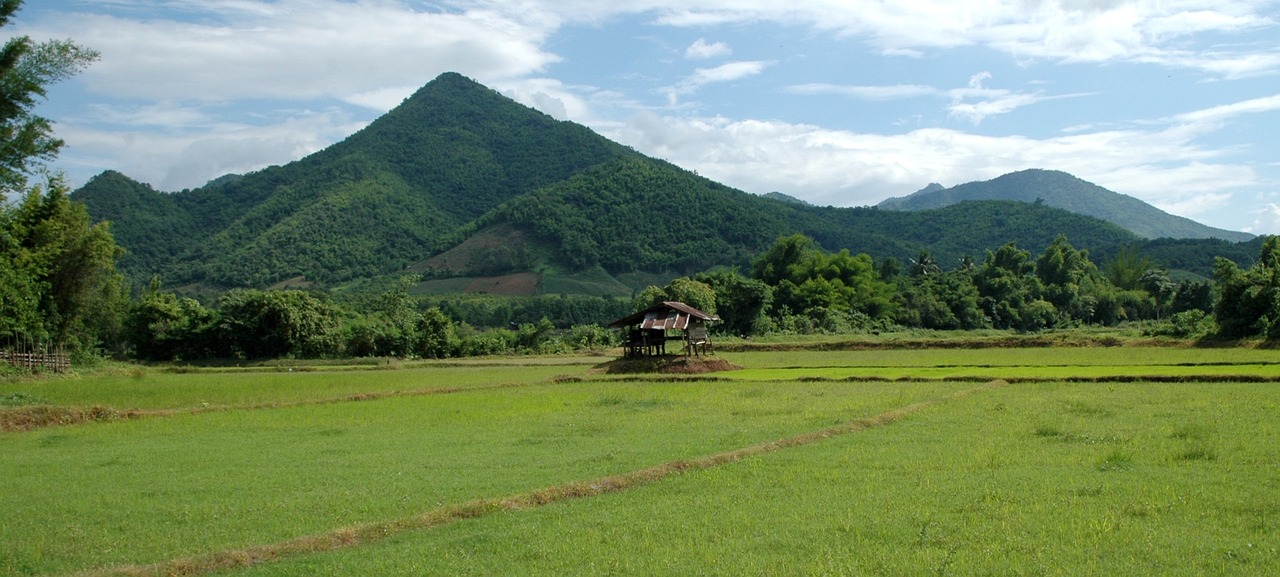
[150, 490]
[199, 388]
[1036, 477]
[966, 488]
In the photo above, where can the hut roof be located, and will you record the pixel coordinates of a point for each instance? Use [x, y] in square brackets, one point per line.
[665, 315]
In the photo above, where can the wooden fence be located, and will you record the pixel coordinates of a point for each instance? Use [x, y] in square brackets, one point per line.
[58, 362]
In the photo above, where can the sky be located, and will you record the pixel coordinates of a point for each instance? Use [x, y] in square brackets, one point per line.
[837, 102]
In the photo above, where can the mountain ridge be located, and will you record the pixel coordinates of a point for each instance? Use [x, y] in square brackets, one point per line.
[457, 159]
[1062, 190]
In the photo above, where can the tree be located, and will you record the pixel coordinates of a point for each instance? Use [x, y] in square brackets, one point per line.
[1249, 300]
[1008, 287]
[696, 294]
[162, 327]
[271, 324]
[1126, 268]
[740, 302]
[649, 296]
[26, 68]
[1061, 270]
[776, 264]
[56, 266]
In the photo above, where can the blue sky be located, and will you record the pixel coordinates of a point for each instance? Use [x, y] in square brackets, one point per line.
[839, 102]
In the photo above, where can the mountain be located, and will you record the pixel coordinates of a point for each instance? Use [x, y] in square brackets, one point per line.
[479, 193]
[784, 197]
[1062, 190]
[380, 198]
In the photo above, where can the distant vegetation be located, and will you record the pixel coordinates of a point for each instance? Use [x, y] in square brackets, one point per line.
[457, 160]
[461, 190]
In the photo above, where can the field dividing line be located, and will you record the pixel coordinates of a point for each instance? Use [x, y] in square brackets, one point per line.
[369, 533]
[34, 417]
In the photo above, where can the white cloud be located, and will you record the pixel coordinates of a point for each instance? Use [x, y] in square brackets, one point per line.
[845, 168]
[1266, 220]
[1059, 30]
[701, 50]
[892, 92]
[1225, 112]
[299, 49]
[727, 72]
[175, 160]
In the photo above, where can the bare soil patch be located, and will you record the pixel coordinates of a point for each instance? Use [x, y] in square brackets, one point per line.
[669, 364]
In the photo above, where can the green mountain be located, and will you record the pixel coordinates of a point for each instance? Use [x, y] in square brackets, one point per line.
[481, 194]
[1062, 190]
[384, 196]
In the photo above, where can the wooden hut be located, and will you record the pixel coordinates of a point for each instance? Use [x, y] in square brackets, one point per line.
[646, 331]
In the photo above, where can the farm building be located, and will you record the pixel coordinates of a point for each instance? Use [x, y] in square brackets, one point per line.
[646, 331]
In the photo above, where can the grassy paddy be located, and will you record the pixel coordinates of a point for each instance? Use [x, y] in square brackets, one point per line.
[1041, 477]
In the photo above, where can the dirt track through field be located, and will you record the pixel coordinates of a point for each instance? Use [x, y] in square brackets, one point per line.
[373, 532]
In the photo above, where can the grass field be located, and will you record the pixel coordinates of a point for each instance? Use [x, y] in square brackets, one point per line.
[1044, 461]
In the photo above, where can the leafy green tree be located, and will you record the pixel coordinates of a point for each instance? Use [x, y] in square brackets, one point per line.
[698, 295]
[775, 264]
[924, 265]
[1007, 287]
[740, 302]
[947, 301]
[647, 297]
[59, 266]
[26, 69]
[273, 324]
[1249, 299]
[1126, 267]
[1161, 288]
[163, 327]
[1192, 295]
[436, 335]
[1061, 270]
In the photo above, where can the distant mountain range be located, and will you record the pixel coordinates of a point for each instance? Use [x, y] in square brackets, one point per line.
[479, 193]
[1061, 190]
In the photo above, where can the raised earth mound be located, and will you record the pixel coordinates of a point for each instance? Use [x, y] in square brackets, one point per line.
[669, 364]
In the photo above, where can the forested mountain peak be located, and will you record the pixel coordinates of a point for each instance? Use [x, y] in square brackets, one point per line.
[412, 190]
[383, 197]
[1062, 190]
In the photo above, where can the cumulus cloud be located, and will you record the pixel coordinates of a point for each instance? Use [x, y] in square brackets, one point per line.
[726, 72]
[701, 50]
[1267, 220]
[891, 92]
[1057, 30]
[174, 160]
[846, 168]
[298, 49]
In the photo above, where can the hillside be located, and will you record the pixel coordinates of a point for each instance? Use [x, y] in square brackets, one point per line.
[370, 204]
[481, 194]
[1062, 190]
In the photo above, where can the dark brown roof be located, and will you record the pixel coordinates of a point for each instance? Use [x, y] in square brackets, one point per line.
[664, 315]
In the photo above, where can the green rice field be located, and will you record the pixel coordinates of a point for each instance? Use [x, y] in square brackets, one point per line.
[1126, 460]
